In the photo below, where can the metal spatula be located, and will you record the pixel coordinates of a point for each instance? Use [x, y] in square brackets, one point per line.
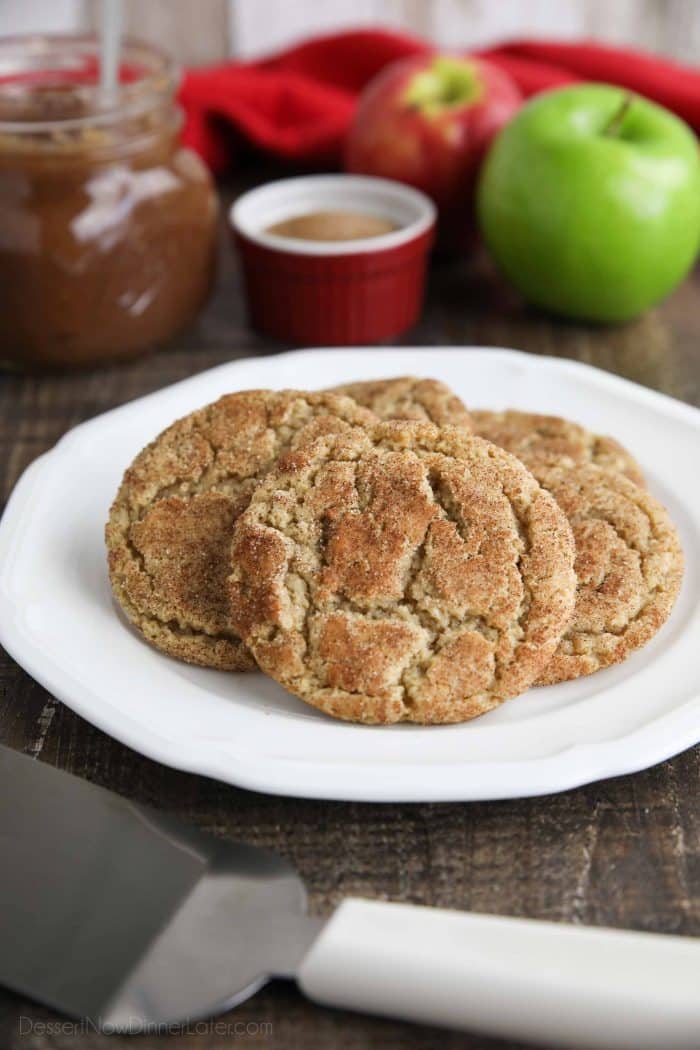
[114, 912]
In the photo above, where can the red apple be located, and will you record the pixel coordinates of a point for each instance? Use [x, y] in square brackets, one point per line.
[428, 121]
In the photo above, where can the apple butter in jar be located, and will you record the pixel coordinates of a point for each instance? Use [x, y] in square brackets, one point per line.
[107, 224]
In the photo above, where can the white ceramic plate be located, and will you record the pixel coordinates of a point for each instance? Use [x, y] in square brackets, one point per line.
[58, 621]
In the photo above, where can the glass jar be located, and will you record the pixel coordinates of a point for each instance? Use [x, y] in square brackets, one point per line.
[107, 224]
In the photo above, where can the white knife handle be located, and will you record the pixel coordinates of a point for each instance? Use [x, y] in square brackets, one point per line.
[546, 982]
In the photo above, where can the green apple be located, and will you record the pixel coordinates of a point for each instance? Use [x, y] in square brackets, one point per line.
[589, 201]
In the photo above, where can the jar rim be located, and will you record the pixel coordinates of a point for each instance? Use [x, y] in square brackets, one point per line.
[148, 78]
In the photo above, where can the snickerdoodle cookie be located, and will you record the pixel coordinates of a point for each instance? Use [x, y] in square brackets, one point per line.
[169, 530]
[532, 437]
[408, 397]
[629, 566]
[402, 573]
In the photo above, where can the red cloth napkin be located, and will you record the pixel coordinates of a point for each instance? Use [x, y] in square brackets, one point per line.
[297, 105]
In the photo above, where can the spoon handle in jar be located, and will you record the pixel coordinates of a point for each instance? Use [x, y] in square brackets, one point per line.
[111, 21]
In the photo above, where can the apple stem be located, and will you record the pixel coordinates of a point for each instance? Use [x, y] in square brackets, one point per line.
[615, 123]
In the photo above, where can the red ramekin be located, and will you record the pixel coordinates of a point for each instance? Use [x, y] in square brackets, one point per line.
[334, 292]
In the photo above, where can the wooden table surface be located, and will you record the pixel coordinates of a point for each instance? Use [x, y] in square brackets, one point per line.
[625, 852]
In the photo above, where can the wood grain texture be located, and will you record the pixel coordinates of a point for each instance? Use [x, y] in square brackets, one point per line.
[625, 852]
[193, 33]
[200, 31]
[668, 26]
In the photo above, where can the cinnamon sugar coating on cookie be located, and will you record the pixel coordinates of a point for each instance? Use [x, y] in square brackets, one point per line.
[629, 567]
[402, 573]
[533, 437]
[408, 397]
[170, 526]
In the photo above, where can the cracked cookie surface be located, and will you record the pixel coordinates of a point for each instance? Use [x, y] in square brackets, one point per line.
[402, 573]
[533, 437]
[408, 397]
[169, 529]
[629, 568]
